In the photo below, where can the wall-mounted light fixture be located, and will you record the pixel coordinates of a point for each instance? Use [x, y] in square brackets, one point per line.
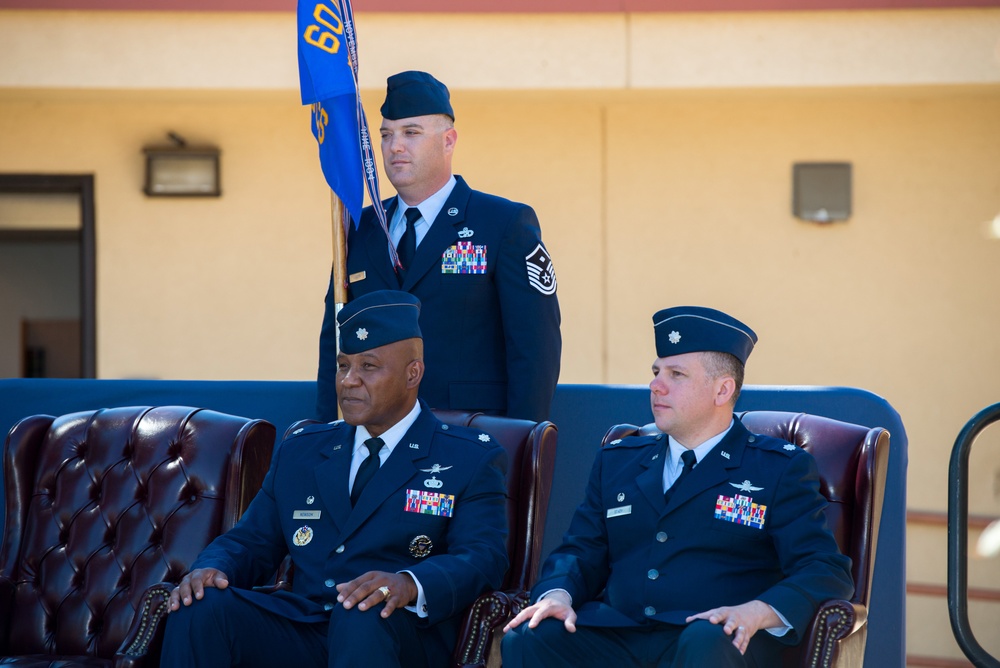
[821, 191]
[181, 170]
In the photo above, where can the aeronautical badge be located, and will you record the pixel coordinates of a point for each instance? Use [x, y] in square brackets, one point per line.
[541, 273]
[362, 334]
[421, 546]
[464, 258]
[740, 509]
[674, 337]
[303, 536]
[746, 486]
[436, 468]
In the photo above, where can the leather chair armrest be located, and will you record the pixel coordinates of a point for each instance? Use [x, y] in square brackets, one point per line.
[284, 585]
[488, 613]
[837, 635]
[142, 643]
[286, 569]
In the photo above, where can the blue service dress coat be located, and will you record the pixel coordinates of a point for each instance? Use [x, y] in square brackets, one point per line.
[747, 523]
[436, 507]
[489, 311]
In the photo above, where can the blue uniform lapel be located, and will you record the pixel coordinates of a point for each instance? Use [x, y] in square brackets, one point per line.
[377, 246]
[442, 234]
[714, 468]
[333, 477]
[650, 480]
[397, 470]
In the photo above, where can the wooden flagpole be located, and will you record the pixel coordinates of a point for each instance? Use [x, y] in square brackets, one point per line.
[339, 265]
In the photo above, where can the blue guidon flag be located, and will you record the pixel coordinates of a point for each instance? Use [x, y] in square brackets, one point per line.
[328, 79]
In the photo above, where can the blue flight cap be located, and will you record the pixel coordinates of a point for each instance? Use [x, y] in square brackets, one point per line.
[378, 319]
[690, 329]
[410, 94]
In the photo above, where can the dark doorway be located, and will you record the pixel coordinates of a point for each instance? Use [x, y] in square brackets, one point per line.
[47, 276]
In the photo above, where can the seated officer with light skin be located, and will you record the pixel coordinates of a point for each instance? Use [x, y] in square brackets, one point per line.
[395, 523]
[704, 545]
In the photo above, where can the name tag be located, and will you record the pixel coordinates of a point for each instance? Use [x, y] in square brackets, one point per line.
[357, 276]
[620, 510]
[306, 514]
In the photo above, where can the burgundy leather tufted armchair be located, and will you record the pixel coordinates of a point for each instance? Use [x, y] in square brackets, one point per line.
[531, 451]
[852, 463]
[105, 511]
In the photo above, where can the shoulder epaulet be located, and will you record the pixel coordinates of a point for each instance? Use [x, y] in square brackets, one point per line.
[470, 434]
[313, 428]
[635, 441]
[762, 442]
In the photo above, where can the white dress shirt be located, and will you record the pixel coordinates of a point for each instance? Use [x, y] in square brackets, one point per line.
[429, 210]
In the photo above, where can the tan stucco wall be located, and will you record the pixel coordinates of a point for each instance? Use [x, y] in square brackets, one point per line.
[660, 166]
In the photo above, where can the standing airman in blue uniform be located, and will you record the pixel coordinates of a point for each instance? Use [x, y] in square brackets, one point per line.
[487, 285]
[704, 545]
[395, 523]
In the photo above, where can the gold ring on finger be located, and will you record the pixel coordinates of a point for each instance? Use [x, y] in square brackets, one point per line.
[384, 590]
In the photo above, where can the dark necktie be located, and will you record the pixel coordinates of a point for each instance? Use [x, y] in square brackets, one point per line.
[367, 469]
[407, 247]
[689, 461]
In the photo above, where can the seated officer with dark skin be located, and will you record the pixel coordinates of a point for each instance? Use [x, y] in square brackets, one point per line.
[704, 545]
[395, 523]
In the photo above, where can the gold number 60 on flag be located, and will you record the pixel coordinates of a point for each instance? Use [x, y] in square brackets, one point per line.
[327, 40]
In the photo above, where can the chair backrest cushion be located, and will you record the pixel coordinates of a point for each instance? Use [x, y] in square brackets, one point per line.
[531, 452]
[102, 504]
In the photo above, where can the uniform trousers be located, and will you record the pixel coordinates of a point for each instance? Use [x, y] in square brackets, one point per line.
[224, 630]
[700, 644]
